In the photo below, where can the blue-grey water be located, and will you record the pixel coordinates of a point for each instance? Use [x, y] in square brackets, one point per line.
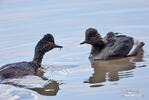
[68, 74]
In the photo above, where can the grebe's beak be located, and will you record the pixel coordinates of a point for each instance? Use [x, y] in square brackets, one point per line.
[57, 46]
[83, 42]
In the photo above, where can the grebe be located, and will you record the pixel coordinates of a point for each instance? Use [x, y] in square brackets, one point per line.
[29, 68]
[112, 46]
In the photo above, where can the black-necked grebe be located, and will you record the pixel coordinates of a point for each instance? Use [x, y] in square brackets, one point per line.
[28, 68]
[112, 46]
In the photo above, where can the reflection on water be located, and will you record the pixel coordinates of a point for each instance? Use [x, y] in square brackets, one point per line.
[50, 88]
[112, 70]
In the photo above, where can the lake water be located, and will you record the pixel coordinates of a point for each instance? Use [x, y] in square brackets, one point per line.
[68, 74]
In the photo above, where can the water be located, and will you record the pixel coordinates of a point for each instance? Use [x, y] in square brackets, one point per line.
[68, 73]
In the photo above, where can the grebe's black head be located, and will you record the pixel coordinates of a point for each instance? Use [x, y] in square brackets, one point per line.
[46, 44]
[92, 37]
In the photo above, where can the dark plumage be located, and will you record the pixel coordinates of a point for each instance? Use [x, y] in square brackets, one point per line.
[113, 45]
[26, 68]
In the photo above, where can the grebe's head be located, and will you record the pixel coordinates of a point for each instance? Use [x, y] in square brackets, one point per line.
[46, 44]
[110, 35]
[92, 37]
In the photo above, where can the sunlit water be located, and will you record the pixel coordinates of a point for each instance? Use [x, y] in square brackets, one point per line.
[68, 74]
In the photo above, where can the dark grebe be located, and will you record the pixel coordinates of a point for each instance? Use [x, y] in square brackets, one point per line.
[112, 46]
[28, 68]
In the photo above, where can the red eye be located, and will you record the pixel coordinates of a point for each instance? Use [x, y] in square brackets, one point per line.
[51, 43]
[90, 38]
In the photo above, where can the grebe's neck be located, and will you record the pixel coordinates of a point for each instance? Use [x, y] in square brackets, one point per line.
[38, 56]
[95, 50]
[97, 47]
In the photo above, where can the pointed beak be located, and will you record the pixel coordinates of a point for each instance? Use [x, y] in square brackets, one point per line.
[57, 46]
[83, 42]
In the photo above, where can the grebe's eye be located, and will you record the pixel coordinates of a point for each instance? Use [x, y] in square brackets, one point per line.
[51, 43]
[90, 38]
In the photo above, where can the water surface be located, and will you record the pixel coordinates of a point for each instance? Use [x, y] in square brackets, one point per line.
[68, 74]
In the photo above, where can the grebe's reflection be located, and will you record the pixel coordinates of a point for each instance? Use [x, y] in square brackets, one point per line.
[49, 89]
[111, 69]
